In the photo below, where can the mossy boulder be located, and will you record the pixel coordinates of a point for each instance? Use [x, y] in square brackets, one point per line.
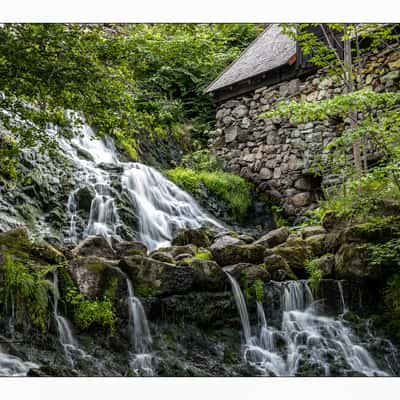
[199, 237]
[278, 268]
[130, 248]
[317, 244]
[295, 251]
[92, 275]
[246, 274]
[16, 242]
[351, 262]
[227, 250]
[274, 237]
[208, 276]
[326, 264]
[309, 231]
[155, 278]
[163, 257]
[94, 246]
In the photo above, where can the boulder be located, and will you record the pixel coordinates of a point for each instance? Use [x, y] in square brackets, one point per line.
[84, 197]
[352, 263]
[199, 237]
[312, 231]
[92, 275]
[163, 257]
[130, 248]
[227, 250]
[302, 199]
[317, 244]
[274, 237]
[175, 251]
[208, 276]
[94, 246]
[155, 278]
[326, 264]
[247, 274]
[278, 268]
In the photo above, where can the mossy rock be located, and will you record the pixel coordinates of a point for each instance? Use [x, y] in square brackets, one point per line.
[16, 242]
[317, 244]
[278, 268]
[199, 237]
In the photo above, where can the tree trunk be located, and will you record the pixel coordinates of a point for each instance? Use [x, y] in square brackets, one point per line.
[349, 84]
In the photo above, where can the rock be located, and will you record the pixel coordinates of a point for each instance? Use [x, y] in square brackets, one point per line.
[317, 244]
[240, 111]
[302, 199]
[130, 248]
[312, 231]
[278, 268]
[274, 237]
[84, 197]
[92, 275]
[326, 264]
[303, 184]
[94, 246]
[352, 263]
[16, 242]
[199, 237]
[155, 278]
[332, 221]
[246, 238]
[208, 276]
[247, 274]
[47, 252]
[188, 250]
[231, 134]
[295, 252]
[228, 251]
[163, 257]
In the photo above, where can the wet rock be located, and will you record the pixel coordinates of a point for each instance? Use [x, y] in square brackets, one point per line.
[163, 257]
[352, 262]
[175, 251]
[130, 248]
[312, 231]
[199, 237]
[84, 197]
[94, 246]
[274, 238]
[228, 251]
[248, 274]
[278, 268]
[155, 278]
[208, 276]
[92, 275]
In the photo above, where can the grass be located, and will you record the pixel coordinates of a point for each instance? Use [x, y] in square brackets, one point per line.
[230, 188]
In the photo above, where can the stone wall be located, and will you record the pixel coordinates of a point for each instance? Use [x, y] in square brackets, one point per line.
[277, 155]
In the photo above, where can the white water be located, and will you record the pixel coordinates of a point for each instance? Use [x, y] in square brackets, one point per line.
[13, 366]
[161, 206]
[302, 337]
[65, 336]
[139, 334]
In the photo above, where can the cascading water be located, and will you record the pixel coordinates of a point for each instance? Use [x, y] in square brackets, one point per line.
[161, 206]
[67, 340]
[13, 366]
[305, 341]
[139, 333]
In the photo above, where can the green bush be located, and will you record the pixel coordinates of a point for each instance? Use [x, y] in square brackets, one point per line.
[25, 293]
[312, 268]
[185, 178]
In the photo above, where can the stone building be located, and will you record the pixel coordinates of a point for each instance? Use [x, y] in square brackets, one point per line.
[274, 154]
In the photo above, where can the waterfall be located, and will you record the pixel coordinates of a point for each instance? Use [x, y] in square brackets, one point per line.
[65, 336]
[161, 206]
[13, 366]
[343, 308]
[139, 334]
[303, 340]
[241, 306]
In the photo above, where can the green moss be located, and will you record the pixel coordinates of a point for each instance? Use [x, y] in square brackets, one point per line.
[128, 144]
[88, 313]
[279, 219]
[185, 178]
[203, 255]
[146, 291]
[231, 189]
[24, 292]
[258, 287]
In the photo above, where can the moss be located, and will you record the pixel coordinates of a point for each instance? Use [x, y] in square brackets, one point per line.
[112, 289]
[129, 145]
[230, 188]
[95, 265]
[315, 274]
[24, 292]
[203, 255]
[147, 291]
[258, 287]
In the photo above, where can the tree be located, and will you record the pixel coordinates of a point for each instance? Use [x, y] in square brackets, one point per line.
[341, 48]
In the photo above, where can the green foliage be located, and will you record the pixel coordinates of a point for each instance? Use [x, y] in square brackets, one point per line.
[201, 160]
[232, 189]
[315, 274]
[24, 292]
[385, 254]
[203, 255]
[392, 294]
[258, 287]
[185, 178]
[88, 313]
[277, 213]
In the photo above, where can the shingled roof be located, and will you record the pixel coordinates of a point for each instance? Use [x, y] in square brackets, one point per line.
[270, 50]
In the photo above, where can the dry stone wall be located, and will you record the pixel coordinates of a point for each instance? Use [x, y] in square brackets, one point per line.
[276, 155]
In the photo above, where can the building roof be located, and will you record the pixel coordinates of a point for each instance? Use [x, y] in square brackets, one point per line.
[270, 50]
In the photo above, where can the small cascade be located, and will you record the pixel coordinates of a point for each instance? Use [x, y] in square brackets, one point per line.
[65, 336]
[160, 205]
[303, 342]
[13, 366]
[343, 308]
[139, 332]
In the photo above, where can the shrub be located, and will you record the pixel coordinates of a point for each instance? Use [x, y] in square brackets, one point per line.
[24, 293]
[312, 268]
[185, 178]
